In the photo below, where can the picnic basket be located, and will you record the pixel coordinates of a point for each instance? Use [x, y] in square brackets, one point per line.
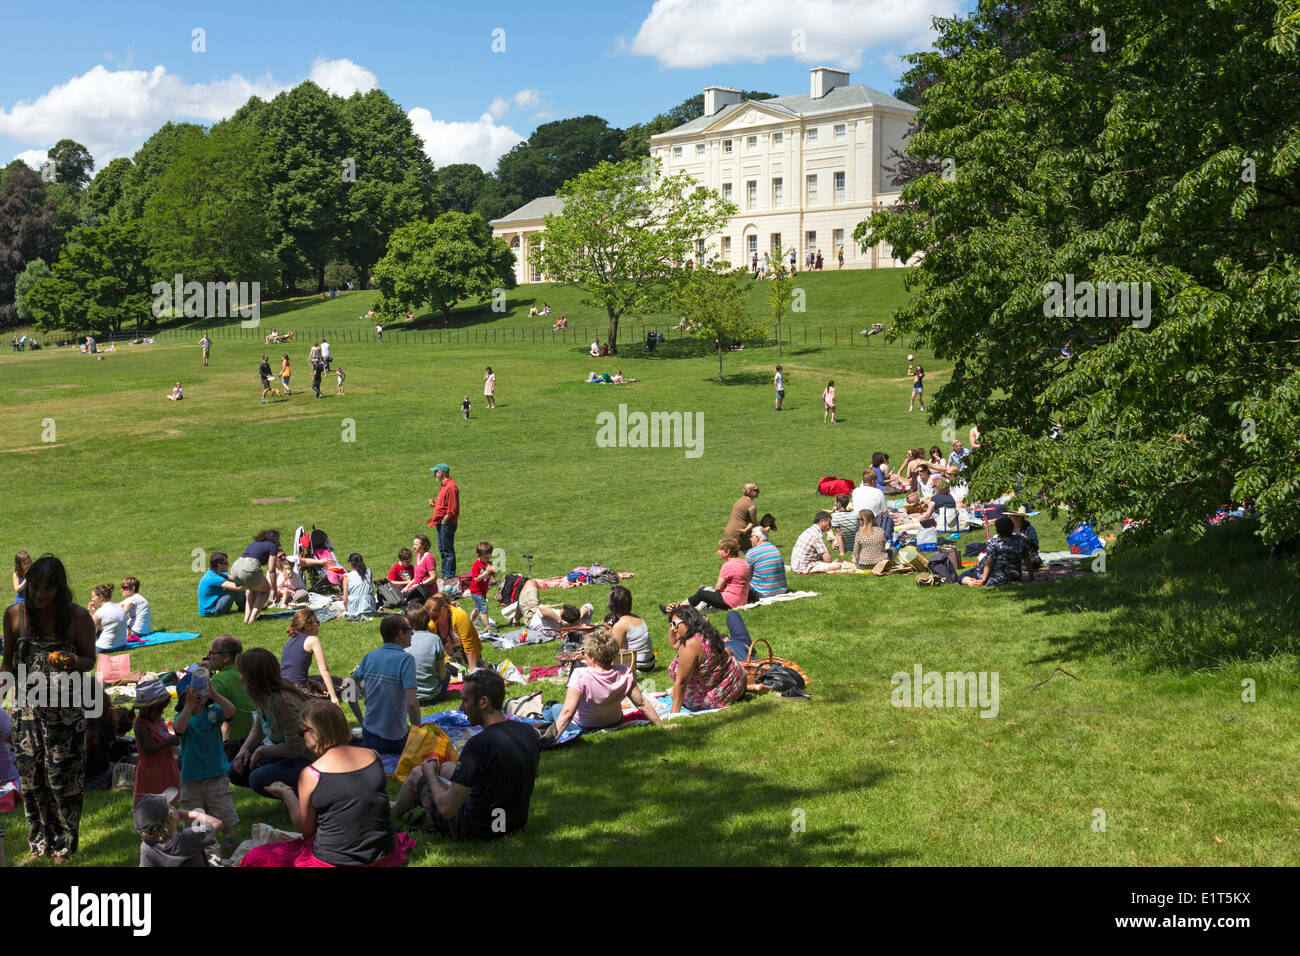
[755, 666]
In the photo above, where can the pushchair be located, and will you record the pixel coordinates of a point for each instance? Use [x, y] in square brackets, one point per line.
[316, 544]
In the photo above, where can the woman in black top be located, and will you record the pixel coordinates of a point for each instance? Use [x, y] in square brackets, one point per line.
[342, 804]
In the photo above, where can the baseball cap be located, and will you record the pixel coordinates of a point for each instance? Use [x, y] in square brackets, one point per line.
[442, 467]
[153, 810]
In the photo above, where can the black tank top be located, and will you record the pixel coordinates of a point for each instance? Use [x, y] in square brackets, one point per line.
[354, 824]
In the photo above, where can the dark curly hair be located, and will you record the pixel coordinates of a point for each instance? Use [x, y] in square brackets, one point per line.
[698, 626]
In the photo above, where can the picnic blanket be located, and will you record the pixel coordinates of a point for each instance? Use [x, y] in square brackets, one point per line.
[1054, 573]
[326, 609]
[505, 640]
[776, 598]
[563, 581]
[457, 726]
[158, 637]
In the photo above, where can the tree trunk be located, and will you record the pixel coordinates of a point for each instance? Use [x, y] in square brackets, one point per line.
[320, 277]
[719, 363]
[613, 329]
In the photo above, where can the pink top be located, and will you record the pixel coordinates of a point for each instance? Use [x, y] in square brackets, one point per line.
[735, 575]
[602, 695]
[424, 570]
[828, 397]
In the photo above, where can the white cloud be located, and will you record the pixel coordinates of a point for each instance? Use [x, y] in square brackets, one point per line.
[700, 33]
[342, 77]
[112, 112]
[482, 142]
[524, 99]
[33, 157]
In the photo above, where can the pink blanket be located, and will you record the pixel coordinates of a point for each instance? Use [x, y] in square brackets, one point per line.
[298, 853]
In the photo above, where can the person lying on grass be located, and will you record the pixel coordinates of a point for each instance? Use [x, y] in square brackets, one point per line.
[594, 699]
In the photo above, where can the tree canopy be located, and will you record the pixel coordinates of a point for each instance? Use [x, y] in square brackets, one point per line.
[716, 308]
[624, 235]
[99, 283]
[1153, 143]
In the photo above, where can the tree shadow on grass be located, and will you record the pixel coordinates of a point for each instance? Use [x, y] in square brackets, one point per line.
[1179, 607]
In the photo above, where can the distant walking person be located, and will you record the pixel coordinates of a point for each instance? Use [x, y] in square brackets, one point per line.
[446, 515]
[794, 260]
[325, 354]
[841, 256]
[819, 260]
[313, 356]
[490, 387]
[341, 376]
[285, 372]
[464, 407]
[317, 370]
[828, 399]
[379, 333]
[264, 373]
[205, 343]
[779, 381]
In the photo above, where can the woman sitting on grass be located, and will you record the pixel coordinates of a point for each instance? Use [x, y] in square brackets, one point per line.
[341, 806]
[629, 630]
[732, 589]
[459, 636]
[274, 749]
[358, 589]
[109, 618]
[1002, 562]
[705, 676]
[870, 546]
[297, 653]
[595, 696]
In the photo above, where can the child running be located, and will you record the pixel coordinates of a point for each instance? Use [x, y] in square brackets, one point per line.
[464, 407]
[341, 375]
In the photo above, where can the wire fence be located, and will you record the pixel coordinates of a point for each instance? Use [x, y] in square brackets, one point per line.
[630, 333]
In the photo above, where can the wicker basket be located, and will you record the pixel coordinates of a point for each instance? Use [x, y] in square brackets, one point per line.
[754, 666]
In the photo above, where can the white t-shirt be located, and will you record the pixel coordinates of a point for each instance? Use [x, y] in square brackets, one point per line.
[112, 627]
[780, 382]
[139, 616]
[324, 350]
[868, 498]
[490, 384]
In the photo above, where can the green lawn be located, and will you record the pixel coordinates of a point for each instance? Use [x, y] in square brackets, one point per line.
[1154, 733]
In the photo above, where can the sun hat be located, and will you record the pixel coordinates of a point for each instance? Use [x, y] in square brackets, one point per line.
[1019, 512]
[153, 809]
[150, 692]
[442, 468]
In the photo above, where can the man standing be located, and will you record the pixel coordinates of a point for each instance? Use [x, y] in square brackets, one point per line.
[446, 515]
[490, 387]
[810, 553]
[325, 354]
[867, 497]
[225, 681]
[264, 370]
[779, 382]
[205, 343]
[486, 793]
[744, 515]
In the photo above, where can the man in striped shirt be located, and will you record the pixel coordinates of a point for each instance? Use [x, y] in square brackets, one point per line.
[810, 554]
[767, 566]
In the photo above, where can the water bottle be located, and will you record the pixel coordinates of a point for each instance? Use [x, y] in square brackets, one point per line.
[199, 678]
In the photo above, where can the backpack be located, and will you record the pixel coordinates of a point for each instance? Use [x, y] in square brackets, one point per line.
[511, 586]
[389, 595]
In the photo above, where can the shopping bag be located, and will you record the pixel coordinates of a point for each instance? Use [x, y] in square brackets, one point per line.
[421, 743]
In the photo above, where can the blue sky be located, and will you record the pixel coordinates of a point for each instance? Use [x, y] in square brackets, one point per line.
[108, 75]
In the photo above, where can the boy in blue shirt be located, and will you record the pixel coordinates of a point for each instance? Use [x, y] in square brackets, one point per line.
[204, 784]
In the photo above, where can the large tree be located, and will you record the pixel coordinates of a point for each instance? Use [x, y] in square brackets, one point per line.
[99, 283]
[147, 166]
[554, 154]
[207, 218]
[442, 262]
[1153, 142]
[29, 229]
[624, 235]
[73, 163]
[105, 190]
[393, 182]
[456, 188]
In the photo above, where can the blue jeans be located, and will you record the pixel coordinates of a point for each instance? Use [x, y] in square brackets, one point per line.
[228, 600]
[286, 770]
[383, 744]
[447, 549]
[551, 713]
[738, 639]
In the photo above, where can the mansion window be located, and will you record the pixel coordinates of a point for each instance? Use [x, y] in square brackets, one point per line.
[778, 192]
[811, 190]
[839, 187]
[841, 131]
[812, 136]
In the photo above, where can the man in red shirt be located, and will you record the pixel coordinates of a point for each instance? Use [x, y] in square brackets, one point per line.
[446, 515]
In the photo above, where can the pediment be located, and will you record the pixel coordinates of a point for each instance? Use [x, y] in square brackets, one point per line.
[749, 116]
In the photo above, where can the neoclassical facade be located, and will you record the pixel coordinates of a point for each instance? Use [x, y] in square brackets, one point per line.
[802, 170]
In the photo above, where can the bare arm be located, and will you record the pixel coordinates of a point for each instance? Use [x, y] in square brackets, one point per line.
[688, 659]
[571, 700]
[313, 644]
[647, 706]
[413, 708]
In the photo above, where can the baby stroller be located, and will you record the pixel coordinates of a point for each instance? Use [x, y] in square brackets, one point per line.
[317, 544]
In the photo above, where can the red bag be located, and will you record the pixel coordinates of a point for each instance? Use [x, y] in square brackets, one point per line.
[834, 486]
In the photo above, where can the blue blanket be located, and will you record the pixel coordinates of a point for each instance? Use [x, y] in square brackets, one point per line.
[158, 637]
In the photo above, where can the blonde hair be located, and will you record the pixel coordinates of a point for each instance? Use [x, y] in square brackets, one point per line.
[866, 518]
[601, 646]
[327, 724]
[941, 485]
[730, 545]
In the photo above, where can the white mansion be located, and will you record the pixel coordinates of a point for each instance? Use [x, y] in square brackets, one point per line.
[802, 170]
